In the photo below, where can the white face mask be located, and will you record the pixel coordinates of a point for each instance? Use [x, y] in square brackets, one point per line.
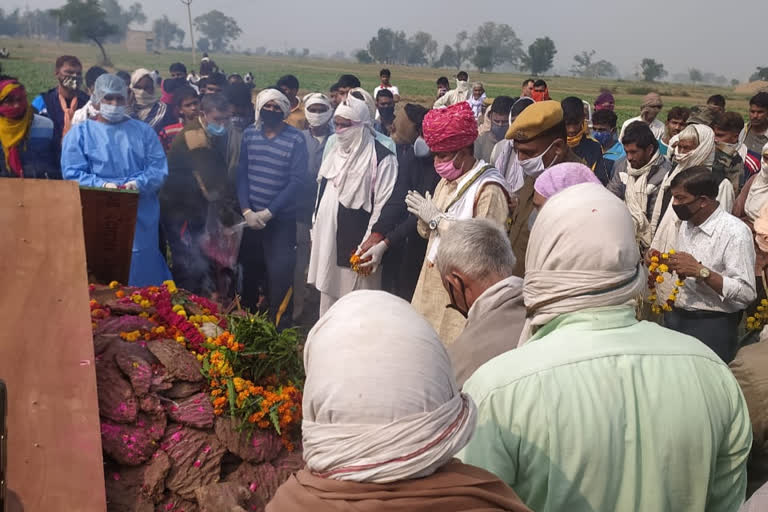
[144, 98]
[682, 158]
[420, 148]
[533, 166]
[349, 137]
[318, 120]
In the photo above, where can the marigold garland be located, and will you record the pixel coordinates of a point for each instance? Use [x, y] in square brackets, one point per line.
[656, 269]
[254, 372]
[759, 318]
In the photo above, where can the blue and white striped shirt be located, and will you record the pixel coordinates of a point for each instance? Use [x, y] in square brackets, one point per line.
[272, 172]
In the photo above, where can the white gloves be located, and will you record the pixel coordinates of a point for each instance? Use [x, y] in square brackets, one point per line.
[422, 206]
[376, 253]
[111, 186]
[257, 220]
[132, 185]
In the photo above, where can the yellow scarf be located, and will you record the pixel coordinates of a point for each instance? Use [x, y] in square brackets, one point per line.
[576, 139]
[13, 131]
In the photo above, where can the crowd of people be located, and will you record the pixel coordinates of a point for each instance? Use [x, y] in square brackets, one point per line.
[520, 229]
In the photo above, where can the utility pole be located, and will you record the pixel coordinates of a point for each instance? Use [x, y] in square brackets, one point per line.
[188, 3]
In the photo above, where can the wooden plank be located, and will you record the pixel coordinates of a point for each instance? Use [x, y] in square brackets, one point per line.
[109, 221]
[46, 350]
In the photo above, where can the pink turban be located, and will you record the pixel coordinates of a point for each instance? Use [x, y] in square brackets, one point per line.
[561, 176]
[451, 128]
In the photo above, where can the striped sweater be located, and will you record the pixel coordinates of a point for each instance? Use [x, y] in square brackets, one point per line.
[272, 172]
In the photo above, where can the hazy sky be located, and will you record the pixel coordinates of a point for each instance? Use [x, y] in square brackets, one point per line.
[679, 33]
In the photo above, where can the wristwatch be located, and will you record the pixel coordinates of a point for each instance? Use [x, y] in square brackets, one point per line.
[434, 222]
[704, 272]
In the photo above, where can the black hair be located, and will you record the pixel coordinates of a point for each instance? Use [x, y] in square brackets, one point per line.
[177, 67]
[238, 94]
[729, 122]
[520, 105]
[759, 100]
[219, 79]
[235, 75]
[215, 101]
[463, 74]
[68, 59]
[605, 117]
[573, 110]
[170, 85]
[385, 72]
[556, 132]
[443, 81]
[697, 181]
[349, 81]
[640, 134]
[528, 81]
[502, 105]
[416, 114]
[358, 95]
[539, 83]
[124, 76]
[386, 93]
[183, 93]
[334, 87]
[92, 74]
[681, 113]
[288, 81]
[717, 100]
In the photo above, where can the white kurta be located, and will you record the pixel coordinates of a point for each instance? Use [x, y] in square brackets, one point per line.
[329, 278]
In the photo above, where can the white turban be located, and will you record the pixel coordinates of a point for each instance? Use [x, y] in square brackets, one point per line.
[138, 75]
[704, 154]
[380, 401]
[268, 95]
[351, 162]
[369, 101]
[581, 254]
[321, 119]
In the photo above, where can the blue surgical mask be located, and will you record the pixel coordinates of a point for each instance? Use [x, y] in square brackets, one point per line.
[604, 138]
[112, 113]
[215, 130]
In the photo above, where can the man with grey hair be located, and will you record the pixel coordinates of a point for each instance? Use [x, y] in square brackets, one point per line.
[475, 261]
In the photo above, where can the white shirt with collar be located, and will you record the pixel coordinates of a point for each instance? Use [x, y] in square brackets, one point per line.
[723, 244]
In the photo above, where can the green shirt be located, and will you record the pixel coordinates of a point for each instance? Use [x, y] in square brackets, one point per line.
[599, 412]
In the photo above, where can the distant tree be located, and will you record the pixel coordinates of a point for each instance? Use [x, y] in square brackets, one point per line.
[582, 63]
[504, 45]
[462, 48]
[203, 44]
[695, 76]
[167, 32]
[602, 68]
[363, 57]
[122, 18]
[39, 24]
[448, 58]
[87, 21]
[540, 55]
[219, 28]
[760, 74]
[652, 70]
[734, 82]
[483, 58]
[10, 23]
[305, 53]
[389, 47]
[422, 49]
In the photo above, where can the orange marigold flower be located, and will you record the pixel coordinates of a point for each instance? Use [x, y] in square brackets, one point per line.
[119, 294]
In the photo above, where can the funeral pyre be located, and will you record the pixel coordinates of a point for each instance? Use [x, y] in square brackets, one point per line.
[200, 408]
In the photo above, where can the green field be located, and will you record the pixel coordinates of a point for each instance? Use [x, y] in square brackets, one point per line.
[32, 61]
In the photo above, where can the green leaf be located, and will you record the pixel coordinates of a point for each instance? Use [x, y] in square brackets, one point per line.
[232, 396]
[275, 419]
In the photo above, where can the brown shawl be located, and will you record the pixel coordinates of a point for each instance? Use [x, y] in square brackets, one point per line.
[454, 487]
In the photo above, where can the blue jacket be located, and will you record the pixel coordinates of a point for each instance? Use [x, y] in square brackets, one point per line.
[47, 104]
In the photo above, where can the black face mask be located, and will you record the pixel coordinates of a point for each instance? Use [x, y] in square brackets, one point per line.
[453, 304]
[270, 117]
[683, 211]
[387, 113]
